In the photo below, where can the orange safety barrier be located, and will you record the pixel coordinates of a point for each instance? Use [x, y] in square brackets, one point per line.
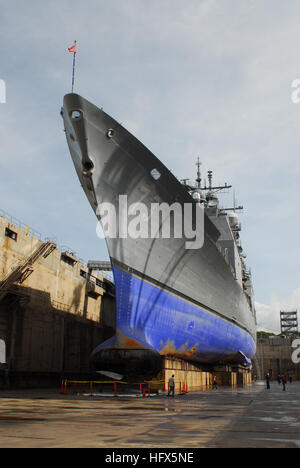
[92, 383]
[65, 382]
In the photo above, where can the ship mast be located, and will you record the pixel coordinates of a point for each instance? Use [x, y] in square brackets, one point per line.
[209, 188]
[198, 180]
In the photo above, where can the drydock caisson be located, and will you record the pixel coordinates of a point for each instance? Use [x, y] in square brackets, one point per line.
[191, 304]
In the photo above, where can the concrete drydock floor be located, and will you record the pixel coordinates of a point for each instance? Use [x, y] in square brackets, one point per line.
[249, 417]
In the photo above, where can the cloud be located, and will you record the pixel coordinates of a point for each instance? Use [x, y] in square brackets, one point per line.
[268, 316]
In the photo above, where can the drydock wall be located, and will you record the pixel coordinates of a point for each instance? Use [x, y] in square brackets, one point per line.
[51, 322]
[274, 356]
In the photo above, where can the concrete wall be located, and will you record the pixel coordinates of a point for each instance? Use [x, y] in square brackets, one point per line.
[64, 282]
[51, 322]
[274, 356]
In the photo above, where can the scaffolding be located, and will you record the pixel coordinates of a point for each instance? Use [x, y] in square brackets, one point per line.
[289, 323]
[24, 269]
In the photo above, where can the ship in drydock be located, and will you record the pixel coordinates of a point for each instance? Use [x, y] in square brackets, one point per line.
[192, 304]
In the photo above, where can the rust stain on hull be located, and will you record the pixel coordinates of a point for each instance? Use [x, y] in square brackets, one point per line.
[183, 351]
[125, 342]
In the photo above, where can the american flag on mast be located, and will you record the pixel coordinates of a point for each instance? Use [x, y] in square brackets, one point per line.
[73, 48]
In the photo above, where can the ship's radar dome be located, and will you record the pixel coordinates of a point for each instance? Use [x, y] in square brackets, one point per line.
[234, 220]
[233, 217]
[198, 196]
[212, 200]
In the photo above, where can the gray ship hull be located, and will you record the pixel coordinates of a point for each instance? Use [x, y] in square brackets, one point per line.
[110, 162]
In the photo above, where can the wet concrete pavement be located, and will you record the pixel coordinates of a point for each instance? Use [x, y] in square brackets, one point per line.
[248, 417]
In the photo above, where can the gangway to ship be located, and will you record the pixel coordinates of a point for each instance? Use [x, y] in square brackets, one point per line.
[25, 269]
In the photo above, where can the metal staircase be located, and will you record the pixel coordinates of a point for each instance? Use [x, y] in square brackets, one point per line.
[19, 274]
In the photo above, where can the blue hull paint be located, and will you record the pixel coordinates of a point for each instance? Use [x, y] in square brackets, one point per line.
[169, 324]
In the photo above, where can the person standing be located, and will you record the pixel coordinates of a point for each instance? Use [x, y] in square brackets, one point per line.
[215, 385]
[268, 381]
[279, 379]
[283, 380]
[171, 386]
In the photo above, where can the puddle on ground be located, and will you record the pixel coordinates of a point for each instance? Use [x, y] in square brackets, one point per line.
[284, 419]
[152, 408]
[290, 441]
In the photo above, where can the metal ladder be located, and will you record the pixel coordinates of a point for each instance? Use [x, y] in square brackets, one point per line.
[24, 270]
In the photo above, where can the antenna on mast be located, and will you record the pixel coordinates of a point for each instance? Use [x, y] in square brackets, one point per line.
[235, 207]
[209, 173]
[198, 180]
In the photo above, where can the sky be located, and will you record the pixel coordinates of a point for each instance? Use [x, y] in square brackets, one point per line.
[189, 78]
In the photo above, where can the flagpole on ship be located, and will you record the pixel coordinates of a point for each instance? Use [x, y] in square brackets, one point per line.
[73, 49]
[73, 77]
